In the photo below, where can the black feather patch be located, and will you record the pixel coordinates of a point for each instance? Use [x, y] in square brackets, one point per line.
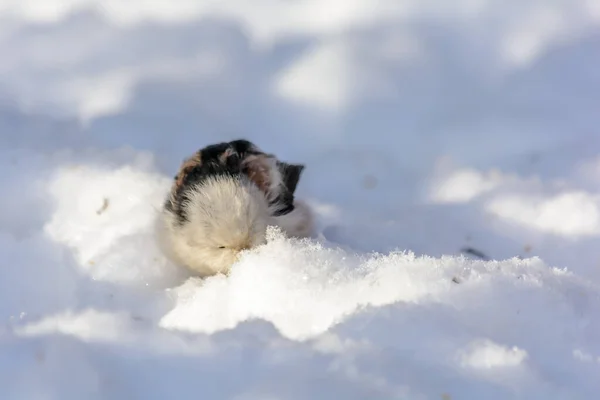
[290, 174]
[227, 158]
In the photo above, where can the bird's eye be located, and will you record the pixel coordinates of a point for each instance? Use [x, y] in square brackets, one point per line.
[221, 247]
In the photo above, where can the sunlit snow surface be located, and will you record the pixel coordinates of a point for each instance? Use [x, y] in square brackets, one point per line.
[426, 128]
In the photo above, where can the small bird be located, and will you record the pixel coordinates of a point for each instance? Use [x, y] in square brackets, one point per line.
[221, 202]
[277, 179]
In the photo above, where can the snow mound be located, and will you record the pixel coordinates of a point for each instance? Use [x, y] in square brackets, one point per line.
[568, 214]
[304, 288]
[108, 220]
[298, 310]
[487, 354]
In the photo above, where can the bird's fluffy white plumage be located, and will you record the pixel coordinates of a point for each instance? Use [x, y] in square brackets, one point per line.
[225, 215]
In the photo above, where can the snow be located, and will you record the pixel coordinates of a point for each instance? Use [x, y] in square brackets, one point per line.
[427, 129]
